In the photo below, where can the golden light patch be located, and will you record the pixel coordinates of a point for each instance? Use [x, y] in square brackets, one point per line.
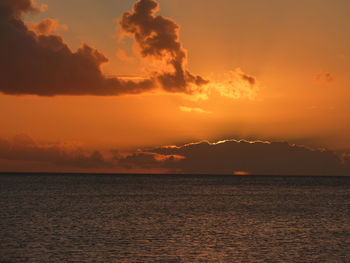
[241, 173]
[236, 85]
[194, 110]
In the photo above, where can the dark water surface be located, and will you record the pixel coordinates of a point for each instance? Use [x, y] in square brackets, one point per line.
[99, 218]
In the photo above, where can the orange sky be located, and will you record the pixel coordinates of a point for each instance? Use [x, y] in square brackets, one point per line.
[297, 55]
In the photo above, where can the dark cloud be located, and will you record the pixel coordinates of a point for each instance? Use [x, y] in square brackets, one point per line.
[23, 148]
[227, 157]
[43, 64]
[250, 79]
[14, 8]
[36, 60]
[147, 160]
[230, 156]
[158, 38]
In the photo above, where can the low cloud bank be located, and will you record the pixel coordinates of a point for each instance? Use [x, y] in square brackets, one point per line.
[24, 148]
[231, 156]
[226, 157]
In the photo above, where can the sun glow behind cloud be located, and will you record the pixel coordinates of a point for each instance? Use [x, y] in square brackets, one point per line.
[277, 94]
[237, 85]
[200, 157]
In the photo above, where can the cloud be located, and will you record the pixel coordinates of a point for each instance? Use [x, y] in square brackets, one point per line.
[122, 55]
[251, 80]
[23, 148]
[157, 37]
[48, 26]
[225, 157]
[236, 84]
[324, 77]
[34, 61]
[244, 157]
[342, 57]
[195, 110]
[14, 8]
[147, 160]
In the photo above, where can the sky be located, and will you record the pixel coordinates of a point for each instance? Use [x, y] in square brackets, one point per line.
[226, 86]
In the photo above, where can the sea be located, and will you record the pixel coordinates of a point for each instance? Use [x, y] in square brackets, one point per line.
[173, 218]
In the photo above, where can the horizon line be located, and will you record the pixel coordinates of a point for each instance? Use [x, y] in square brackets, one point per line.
[163, 174]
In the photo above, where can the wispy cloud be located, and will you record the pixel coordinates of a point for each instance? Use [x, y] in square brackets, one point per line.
[24, 148]
[194, 110]
[236, 84]
[47, 26]
[324, 77]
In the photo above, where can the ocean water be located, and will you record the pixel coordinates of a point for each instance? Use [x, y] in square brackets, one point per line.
[174, 218]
